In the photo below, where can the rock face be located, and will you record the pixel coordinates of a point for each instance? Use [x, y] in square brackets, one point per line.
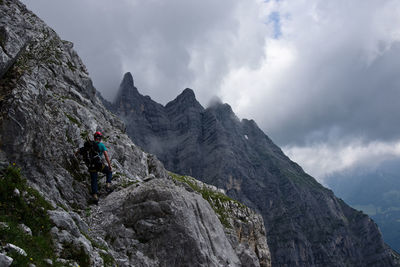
[169, 225]
[48, 106]
[376, 193]
[243, 226]
[306, 224]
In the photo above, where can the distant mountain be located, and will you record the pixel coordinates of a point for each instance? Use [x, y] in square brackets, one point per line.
[376, 193]
[306, 224]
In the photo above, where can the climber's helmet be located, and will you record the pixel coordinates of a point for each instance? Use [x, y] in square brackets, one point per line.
[97, 136]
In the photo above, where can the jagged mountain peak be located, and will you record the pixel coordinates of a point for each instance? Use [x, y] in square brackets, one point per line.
[223, 111]
[127, 90]
[213, 145]
[184, 100]
[250, 121]
[188, 93]
[128, 79]
[221, 108]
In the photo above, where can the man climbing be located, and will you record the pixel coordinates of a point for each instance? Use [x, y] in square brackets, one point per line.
[92, 153]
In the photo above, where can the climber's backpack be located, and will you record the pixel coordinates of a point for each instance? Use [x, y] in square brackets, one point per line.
[91, 156]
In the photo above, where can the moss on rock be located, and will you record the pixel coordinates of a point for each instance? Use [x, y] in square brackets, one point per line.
[21, 204]
[217, 200]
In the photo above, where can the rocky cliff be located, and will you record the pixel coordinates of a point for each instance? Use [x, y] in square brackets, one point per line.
[48, 106]
[377, 193]
[306, 224]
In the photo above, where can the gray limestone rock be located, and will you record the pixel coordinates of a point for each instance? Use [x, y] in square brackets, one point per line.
[82, 225]
[243, 227]
[16, 192]
[48, 261]
[4, 225]
[5, 260]
[48, 107]
[64, 221]
[164, 222]
[25, 229]
[13, 248]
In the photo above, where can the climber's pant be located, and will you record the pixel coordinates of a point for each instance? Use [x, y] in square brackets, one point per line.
[94, 178]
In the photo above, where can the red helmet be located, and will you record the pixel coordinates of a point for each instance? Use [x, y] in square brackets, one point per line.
[97, 134]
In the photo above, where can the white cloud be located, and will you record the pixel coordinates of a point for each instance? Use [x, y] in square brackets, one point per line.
[323, 160]
[261, 88]
[297, 67]
[167, 45]
[333, 69]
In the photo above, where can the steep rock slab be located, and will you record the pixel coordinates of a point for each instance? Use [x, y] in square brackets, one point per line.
[243, 226]
[167, 224]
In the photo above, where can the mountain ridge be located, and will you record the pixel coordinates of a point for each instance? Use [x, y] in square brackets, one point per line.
[306, 224]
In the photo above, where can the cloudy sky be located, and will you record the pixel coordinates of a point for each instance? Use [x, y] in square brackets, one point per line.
[321, 78]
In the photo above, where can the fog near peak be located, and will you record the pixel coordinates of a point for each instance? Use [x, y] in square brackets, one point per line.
[308, 72]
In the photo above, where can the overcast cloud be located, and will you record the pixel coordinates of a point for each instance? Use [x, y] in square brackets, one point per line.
[319, 77]
[167, 45]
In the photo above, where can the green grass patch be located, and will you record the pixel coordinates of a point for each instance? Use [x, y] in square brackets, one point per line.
[117, 174]
[85, 135]
[28, 208]
[79, 255]
[88, 212]
[107, 259]
[126, 184]
[73, 119]
[63, 207]
[69, 139]
[2, 36]
[71, 66]
[216, 199]
[72, 165]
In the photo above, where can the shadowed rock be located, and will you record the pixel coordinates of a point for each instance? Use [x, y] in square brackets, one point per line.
[306, 224]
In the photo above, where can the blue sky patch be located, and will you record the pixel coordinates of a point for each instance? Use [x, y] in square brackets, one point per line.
[275, 19]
